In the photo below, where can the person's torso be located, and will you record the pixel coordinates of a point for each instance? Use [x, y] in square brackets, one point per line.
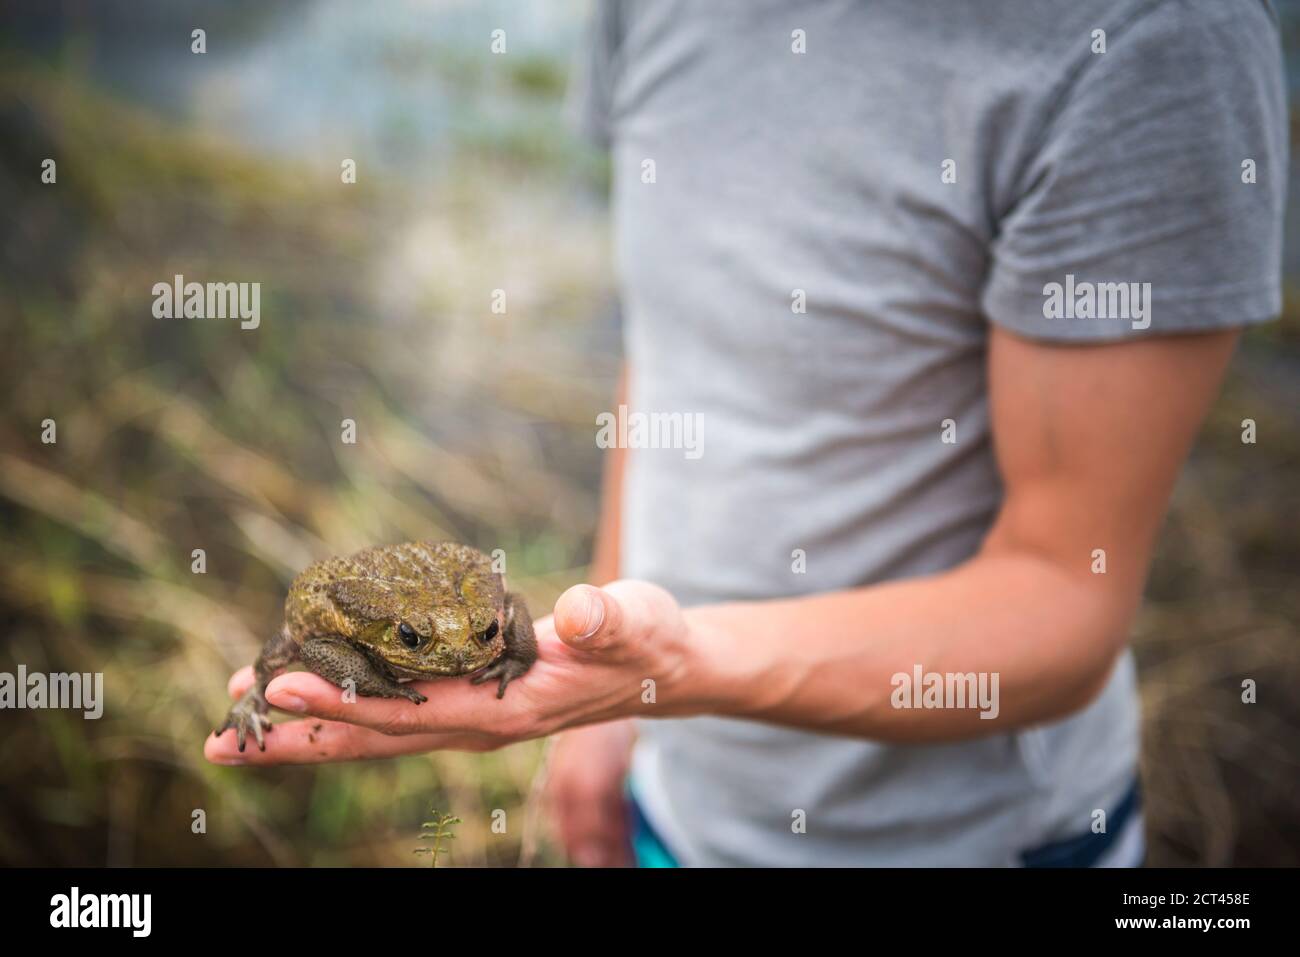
[801, 276]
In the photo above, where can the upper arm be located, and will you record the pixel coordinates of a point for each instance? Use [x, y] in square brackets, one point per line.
[1089, 440]
[1138, 180]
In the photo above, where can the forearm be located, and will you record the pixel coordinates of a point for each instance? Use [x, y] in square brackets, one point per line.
[827, 662]
[1080, 472]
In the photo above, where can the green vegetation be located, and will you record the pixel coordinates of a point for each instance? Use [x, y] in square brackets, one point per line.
[434, 833]
[175, 435]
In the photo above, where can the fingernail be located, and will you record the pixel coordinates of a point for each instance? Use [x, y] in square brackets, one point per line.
[289, 702]
[230, 762]
[595, 615]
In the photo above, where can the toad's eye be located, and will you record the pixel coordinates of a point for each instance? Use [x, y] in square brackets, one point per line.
[408, 635]
[491, 632]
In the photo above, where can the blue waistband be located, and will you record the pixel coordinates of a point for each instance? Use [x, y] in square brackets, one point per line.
[648, 848]
[1085, 850]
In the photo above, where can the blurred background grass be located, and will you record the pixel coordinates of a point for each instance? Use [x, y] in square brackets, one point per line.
[176, 435]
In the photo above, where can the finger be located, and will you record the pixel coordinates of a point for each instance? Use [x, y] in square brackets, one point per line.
[453, 706]
[240, 682]
[589, 618]
[311, 741]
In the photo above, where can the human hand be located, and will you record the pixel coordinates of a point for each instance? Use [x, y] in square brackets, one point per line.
[584, 793]
[594, 654]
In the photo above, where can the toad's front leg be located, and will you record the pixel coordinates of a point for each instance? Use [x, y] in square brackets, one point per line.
[339, 662]
[521, 646]
[249, 713]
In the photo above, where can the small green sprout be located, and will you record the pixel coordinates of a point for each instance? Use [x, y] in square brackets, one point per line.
[435, 832]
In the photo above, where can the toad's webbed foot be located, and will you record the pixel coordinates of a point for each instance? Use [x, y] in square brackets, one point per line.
[521, 646]
[507, 669]
[248, 714]
[409, 693]
[250, 711]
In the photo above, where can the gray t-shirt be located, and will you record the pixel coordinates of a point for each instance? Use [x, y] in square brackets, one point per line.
[922, 170]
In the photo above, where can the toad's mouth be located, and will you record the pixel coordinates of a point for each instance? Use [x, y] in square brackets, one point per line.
[451, 666]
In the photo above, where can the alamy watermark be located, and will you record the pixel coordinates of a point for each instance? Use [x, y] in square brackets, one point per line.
[179, 299]
[75, 691]
[75, 909]
[651, 430]
[1100, 300]
[931, 689]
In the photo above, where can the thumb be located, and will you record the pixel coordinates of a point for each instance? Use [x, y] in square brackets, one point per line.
[589, 618]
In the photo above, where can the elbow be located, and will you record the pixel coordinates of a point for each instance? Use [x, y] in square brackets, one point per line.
[1088, 660]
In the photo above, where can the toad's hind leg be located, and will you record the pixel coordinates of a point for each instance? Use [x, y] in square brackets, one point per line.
[521, 646]
[337, 661]
[249, 713]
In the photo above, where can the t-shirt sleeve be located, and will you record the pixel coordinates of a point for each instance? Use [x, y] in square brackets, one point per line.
[590, 94]
[1163, 162]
